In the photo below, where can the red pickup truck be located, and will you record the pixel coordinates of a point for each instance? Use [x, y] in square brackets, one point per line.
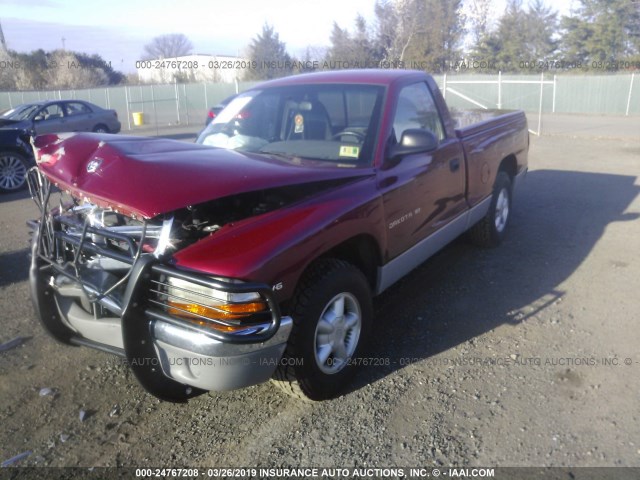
[255, 254]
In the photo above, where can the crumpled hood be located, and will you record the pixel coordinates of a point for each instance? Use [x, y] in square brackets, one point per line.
[149, 176]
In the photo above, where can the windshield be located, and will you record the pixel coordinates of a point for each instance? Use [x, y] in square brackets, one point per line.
[22, 112]
[333, 123]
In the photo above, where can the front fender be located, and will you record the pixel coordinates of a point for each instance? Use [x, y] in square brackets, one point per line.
[276, 248]
[18, 141]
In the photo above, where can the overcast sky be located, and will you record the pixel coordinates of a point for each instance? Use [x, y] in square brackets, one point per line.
[118, 29]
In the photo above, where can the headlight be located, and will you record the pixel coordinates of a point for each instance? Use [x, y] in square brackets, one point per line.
[208, 307]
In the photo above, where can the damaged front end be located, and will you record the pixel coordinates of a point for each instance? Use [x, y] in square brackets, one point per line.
[105, 279]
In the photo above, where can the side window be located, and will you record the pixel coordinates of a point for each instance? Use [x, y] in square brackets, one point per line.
[416, 109]
[333, 103]
[50, 112]
[76, 108]
[360, 106]
[349, 108]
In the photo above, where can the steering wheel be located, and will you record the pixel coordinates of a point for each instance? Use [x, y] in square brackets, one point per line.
[359, 136]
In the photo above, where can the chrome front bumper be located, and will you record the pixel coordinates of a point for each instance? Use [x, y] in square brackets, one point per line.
[81, 298]
[195, 359]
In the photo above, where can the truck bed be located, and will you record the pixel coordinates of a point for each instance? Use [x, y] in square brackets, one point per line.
[468, 122]
[487, 135]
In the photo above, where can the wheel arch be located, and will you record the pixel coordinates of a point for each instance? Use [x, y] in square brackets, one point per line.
[104, 126]
[27, 155]
[362, 251]
[509, 165]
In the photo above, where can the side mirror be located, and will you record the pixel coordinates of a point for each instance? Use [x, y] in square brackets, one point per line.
[414, 140]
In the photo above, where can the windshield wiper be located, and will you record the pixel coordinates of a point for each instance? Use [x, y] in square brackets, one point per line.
[285, 155]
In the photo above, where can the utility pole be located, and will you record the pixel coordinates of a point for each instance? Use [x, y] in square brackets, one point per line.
[3, 44]
[63, 40]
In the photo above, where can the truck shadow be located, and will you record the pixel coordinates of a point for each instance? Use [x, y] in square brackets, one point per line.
[464, 291]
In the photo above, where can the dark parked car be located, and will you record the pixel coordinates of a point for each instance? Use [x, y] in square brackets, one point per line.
[61, 116]
[216, 109]
[16, 157]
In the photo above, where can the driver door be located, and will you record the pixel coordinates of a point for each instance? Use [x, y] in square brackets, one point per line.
[421, 192]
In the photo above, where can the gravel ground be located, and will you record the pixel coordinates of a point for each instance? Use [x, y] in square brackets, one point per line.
[526, 355]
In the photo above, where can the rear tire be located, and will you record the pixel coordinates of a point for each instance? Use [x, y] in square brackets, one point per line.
[332, 314]
[491, 230]
[100, 129]
[13, 171]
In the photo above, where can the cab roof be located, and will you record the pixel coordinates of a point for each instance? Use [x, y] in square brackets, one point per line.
[363, 76]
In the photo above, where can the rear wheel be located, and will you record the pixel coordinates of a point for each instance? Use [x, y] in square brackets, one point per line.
[13, 172]
[491, 230]
[100, 129]
[332, 316]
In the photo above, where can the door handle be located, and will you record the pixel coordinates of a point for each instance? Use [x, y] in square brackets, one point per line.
[454, 165]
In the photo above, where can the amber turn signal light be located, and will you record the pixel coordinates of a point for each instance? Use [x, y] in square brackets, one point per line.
[227, 311]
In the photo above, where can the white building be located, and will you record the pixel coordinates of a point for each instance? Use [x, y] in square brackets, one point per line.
[193, 68]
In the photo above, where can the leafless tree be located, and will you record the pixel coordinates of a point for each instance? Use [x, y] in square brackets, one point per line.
[410, 13]
[66, 71]
[478, 16]
[7, 74]
[167, 46]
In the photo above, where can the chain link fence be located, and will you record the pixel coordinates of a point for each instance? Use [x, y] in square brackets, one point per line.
[142, 106]
[182, 104]
[586, 94]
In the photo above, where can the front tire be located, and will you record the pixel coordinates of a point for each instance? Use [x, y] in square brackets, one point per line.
[491, 230]
[13, 172]
[100, 129]
[332, 315]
